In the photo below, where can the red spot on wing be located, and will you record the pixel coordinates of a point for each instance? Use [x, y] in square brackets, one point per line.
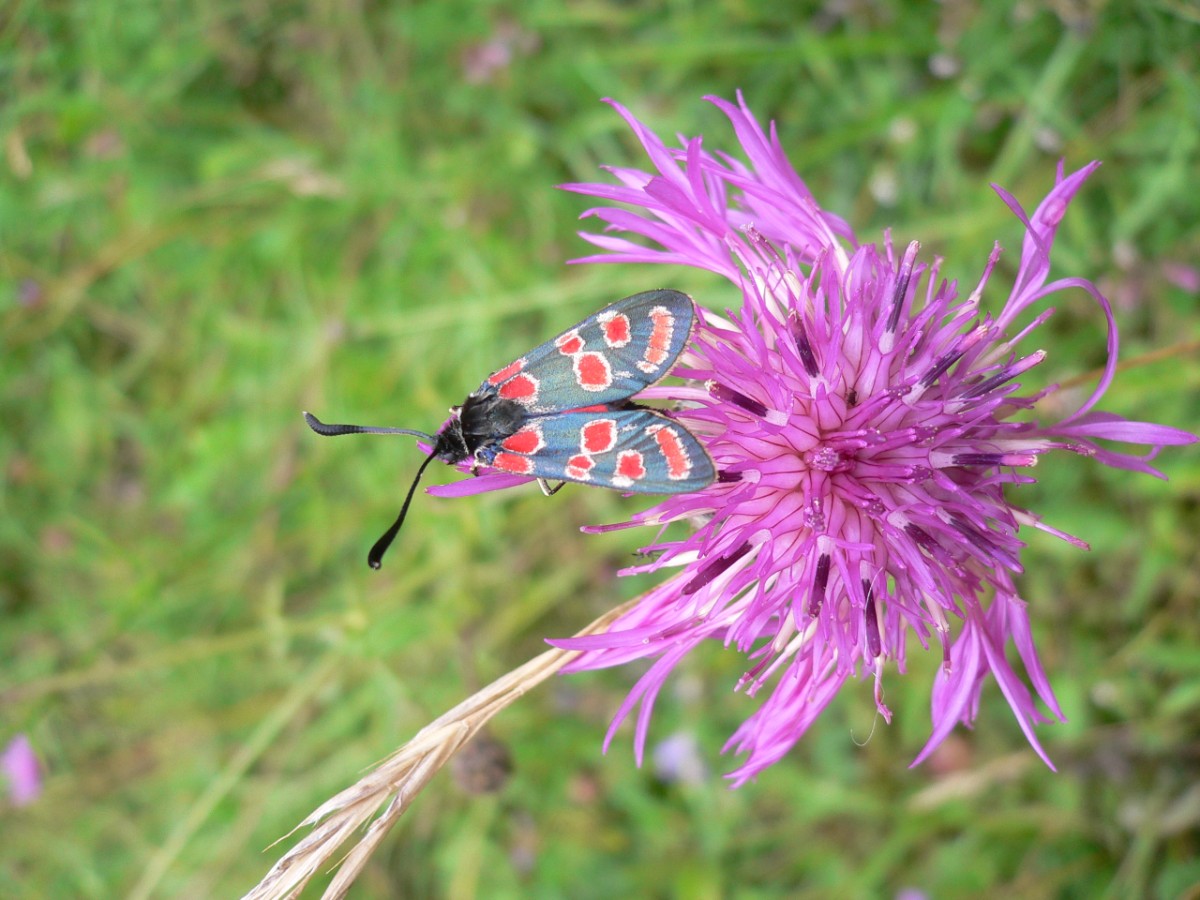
[514, 463]
[580, 466]
[599, 407]
[521, 388]
[679, 463]
[592, 371]
[659, 345]
[630, 466]
[616, 329]
[569, 344]
[527, 440]
[507, 372]
[598, 436]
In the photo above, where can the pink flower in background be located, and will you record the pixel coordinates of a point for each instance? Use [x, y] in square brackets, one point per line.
[870, 431]
[20, 766]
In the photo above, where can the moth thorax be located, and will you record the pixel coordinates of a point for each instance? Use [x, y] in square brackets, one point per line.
[488, 418]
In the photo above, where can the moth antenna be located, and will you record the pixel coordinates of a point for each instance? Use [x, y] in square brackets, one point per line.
[334, 430]
[375, 557]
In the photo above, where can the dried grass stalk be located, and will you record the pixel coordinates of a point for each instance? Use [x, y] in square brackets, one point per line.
[395, 782]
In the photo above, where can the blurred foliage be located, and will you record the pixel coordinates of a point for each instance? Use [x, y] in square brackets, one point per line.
[215, 215]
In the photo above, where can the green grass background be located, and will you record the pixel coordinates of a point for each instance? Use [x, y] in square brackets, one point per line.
[215, 215]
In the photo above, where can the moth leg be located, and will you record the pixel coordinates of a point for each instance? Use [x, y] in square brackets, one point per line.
[547, 490]
[478, 461]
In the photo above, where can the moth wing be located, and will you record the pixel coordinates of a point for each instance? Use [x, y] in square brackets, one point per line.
[608, 357]
[636, 450]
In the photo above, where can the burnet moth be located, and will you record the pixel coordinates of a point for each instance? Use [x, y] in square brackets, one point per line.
[562, 412]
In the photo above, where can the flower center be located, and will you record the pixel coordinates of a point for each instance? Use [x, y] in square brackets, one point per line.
[827, 459]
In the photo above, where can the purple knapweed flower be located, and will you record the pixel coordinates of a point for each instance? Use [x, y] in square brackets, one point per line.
[20, 766]
[868, 428]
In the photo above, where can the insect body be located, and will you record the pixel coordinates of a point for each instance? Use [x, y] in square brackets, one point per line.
[563, 411]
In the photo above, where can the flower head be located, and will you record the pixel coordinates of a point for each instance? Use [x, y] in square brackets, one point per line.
[20, 766]
[869, 428]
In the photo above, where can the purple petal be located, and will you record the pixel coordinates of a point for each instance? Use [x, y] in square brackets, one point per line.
[1112, 427]
[483, 484]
